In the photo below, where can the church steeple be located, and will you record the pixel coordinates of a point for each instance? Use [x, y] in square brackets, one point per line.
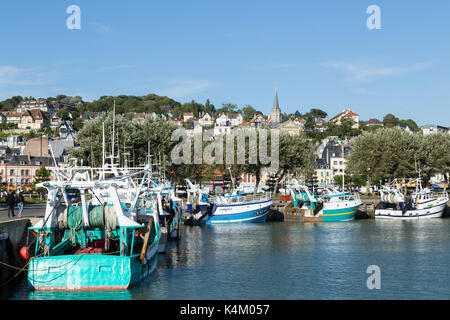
[276, 111]
[275, 101]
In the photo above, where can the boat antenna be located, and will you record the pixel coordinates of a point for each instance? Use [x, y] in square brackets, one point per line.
[103, 140]
[113, 130]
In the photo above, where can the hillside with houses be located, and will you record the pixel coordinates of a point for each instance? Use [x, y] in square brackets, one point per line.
[37, 132]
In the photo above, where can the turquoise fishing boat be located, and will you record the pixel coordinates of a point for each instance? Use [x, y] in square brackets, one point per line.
[329, 205]
[96, 234]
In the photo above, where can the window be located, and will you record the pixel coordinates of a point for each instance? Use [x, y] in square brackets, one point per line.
[11, 172]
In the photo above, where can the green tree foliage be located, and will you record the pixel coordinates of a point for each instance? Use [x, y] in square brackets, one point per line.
[227, 108]
[11, 103]
[42, 175]
[390, 153]
[248, 112]
[315, 114]
[296, 156]
[149, 103]
[63, 113]
[391, 121]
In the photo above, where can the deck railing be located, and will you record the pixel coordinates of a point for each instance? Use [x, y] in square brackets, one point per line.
[241, 199]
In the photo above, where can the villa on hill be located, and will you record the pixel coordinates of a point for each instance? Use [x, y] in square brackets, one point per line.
[347, 114]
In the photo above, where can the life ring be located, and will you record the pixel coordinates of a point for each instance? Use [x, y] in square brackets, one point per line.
[229, 201]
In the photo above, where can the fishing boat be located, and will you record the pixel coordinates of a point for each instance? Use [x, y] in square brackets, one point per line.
[229, 208]
[330, 204]
[102, 228]
[422, 204]
[89, 239]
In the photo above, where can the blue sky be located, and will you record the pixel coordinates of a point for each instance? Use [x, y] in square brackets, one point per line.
[319, 54]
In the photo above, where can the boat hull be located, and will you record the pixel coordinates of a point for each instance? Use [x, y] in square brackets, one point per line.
[341, 214]
[250, 212]
[89, 272]
[428, 213]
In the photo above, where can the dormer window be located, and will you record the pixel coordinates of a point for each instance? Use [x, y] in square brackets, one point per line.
[38, 163]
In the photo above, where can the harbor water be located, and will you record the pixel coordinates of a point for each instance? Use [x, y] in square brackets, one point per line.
[292, 261]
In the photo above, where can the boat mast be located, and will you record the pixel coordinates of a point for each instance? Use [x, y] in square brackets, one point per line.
[113, 130]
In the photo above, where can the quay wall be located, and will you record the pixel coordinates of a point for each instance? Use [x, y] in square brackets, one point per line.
[13, 235]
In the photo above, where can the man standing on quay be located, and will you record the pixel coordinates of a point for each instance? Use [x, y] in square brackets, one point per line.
[10, 201]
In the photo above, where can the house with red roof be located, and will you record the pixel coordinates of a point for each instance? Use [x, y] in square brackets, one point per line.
[187, 116]
[348, 114]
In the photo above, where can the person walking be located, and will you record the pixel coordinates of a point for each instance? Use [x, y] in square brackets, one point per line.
[20, 201]
[10, 201]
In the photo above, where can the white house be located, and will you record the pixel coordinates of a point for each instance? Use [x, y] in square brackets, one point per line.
[221, 129]
[194, 128]
[206, 120]
[349, 114]
[434, 129]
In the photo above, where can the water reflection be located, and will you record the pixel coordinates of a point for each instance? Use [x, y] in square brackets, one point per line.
[291, 260]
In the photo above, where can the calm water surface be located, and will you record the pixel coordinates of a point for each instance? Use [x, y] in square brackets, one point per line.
[294, 261]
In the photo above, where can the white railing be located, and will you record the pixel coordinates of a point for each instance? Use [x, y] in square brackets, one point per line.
[240, 199]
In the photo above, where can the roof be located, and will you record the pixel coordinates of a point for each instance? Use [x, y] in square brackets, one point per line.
[374, 121]
[30, 161]
[58, 146]
[36, 114]
[347, 113]
[233, 115]
[8, 114]
[321, 121]
[245, 124]
[258, 118]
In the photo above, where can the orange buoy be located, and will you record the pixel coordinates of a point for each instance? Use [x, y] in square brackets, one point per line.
[25, 253]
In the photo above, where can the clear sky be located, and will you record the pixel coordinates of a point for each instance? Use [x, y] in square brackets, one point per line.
[319, 54]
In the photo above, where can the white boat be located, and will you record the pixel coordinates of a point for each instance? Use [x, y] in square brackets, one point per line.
[422, 204]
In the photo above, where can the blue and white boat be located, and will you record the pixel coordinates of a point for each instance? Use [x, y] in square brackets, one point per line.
[230, 208]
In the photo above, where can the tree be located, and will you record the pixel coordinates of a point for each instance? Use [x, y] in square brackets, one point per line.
[63, 113]
[227, 108]
[296, 155]
[390, 120]
[209, 107]
[42, 175]
[390, 153]
[248, 112]
[317, 113]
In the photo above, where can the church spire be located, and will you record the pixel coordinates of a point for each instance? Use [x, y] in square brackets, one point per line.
[276, 111]
[275, 101]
